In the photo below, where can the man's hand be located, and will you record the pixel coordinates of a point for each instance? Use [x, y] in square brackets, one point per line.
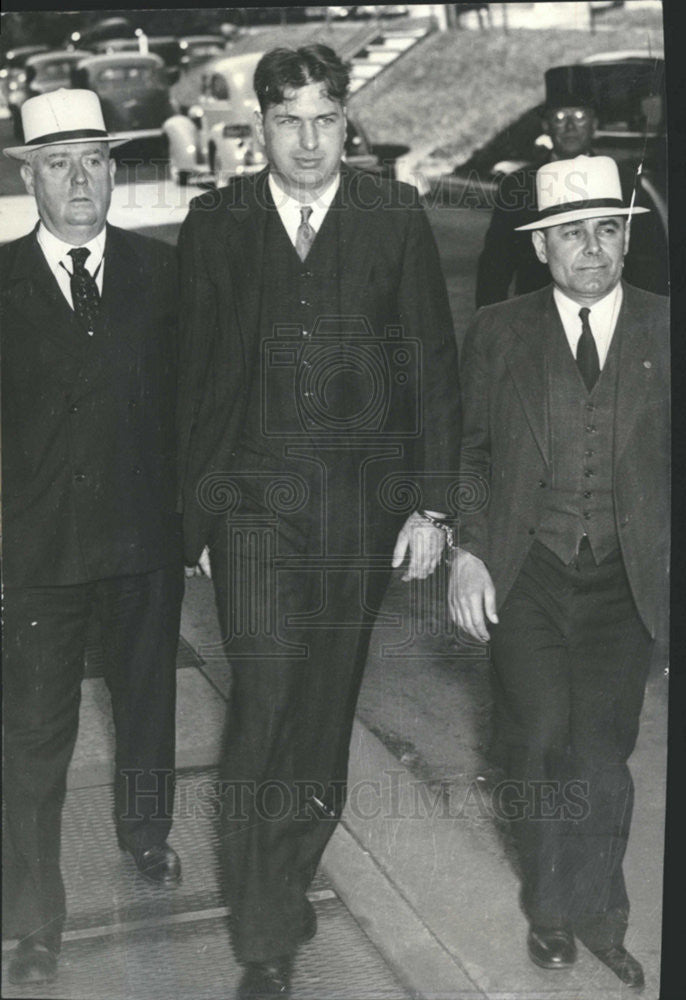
[203, 567]
[426, 543]
[471, 595]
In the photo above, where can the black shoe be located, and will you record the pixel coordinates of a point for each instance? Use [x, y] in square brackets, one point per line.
[160, 864]
[32, 963]
[265, 979]
[623, 965]
[551, 948]
[309, 925]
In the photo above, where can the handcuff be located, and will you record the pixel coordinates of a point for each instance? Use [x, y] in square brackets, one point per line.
[447, 529]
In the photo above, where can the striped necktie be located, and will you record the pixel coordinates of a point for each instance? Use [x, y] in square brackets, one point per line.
[304, 238]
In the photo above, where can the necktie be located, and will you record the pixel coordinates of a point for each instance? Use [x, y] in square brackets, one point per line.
[587, 352]
[84, 291]
[304, 238]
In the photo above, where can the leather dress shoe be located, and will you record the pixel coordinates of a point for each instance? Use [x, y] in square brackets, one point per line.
[32, 963]
[551, 947]
[623, 965]
[265, 979]
[309, 924]
[159, 864]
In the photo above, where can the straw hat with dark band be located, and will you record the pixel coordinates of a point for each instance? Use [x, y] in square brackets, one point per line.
[61, 116]
[586, 187]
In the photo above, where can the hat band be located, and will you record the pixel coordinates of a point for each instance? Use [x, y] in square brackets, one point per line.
[577, 206]
[77, 133]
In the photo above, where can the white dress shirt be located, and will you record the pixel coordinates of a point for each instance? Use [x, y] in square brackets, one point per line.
[602, 319]
[289, 207]
[56, 252]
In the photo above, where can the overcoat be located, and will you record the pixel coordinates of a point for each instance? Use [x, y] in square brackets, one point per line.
[506, 461]
[88, 445]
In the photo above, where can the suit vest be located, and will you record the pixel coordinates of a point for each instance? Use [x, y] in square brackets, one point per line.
[580, 499]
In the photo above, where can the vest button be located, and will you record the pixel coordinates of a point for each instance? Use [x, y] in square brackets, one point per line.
[587, 515]
[541, 483]
[590, 428]
[588, 495]
[588, 473]
[73, 408]
[589, 453]
[590, 406]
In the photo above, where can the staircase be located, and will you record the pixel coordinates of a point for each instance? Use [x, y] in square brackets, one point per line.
[380, 45]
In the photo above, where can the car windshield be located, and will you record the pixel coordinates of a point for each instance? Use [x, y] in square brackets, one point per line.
[134, 75]
[237, 131]
[54, 70]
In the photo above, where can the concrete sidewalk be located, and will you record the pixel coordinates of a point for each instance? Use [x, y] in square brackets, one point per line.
[417, 859]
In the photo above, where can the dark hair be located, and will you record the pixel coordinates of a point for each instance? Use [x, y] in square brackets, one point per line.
[283, 68]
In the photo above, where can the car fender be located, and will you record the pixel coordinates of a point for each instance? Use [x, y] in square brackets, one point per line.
[184, 145]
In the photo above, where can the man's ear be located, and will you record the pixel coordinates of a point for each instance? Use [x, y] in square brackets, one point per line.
[259, 127]
[27, 176]
[538, 240]
[113, 170]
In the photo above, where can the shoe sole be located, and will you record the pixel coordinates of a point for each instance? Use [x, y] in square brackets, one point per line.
[542, 964]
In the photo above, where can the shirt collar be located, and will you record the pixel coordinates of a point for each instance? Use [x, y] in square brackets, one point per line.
[603, 313]
[57, 251]
[287, 204]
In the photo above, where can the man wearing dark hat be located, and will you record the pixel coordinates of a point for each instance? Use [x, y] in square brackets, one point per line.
[569, 121]
[90, 529]
[564, 568]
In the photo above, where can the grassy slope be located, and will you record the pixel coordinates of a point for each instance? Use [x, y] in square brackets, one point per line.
[455, 90]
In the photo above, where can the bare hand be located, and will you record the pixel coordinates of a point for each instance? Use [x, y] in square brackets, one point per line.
[471, 595]
[425, 542]
[202, 568]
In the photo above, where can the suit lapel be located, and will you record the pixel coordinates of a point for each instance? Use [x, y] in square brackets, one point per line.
[33, 290]
[527, 361]
[357, 235]
[244, 247]
[635, 371]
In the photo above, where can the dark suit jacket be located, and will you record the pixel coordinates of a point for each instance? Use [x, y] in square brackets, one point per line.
[505, 444]
[509, 255]
[392, 276]
[88, 448]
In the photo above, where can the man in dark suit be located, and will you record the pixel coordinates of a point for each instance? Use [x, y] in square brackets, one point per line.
[508, 258]
[320, 402]
[90, 529]
[566, 554]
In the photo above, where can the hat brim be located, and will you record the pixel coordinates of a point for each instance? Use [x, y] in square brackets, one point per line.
[577, 215]
[21, 152]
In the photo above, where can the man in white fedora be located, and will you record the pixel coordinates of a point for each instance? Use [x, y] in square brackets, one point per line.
[564, 566]
[90, 530]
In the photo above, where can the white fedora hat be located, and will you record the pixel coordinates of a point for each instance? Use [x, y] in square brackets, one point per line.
[586, 187]
[61, 116]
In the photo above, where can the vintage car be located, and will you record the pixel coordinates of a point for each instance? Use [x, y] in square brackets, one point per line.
[43, 72]
[196, 49]
[110, 27]
[13, 73]
[166, 47]
[133, 91]
[216, 139]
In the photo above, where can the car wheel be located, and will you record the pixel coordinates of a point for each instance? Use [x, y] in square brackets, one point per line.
[183, 177]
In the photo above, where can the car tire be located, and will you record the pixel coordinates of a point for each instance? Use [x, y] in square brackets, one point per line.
[183, 178]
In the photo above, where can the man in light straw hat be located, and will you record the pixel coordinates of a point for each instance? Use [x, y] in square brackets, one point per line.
[564, 565]
[88, 384]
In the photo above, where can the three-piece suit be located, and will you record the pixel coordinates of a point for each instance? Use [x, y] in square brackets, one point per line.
[573, 527]
[320, 406]
[90, 531]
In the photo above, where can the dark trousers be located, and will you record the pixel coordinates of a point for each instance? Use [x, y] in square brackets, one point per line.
[297, 628]
[45, 630]
[570, 661]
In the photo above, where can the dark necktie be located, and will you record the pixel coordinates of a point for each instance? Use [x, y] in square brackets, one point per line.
[587, 352]
[304, 238]
[84, 291]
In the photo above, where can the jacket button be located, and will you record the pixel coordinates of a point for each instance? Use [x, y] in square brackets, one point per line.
[532, 531]
[588, 495]
[73, 408]
[541, 483]
[79, 477]
[136, 471]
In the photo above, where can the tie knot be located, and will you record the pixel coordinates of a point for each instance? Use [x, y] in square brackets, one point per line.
[79, 255]
[584, 313]
[305, 213]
